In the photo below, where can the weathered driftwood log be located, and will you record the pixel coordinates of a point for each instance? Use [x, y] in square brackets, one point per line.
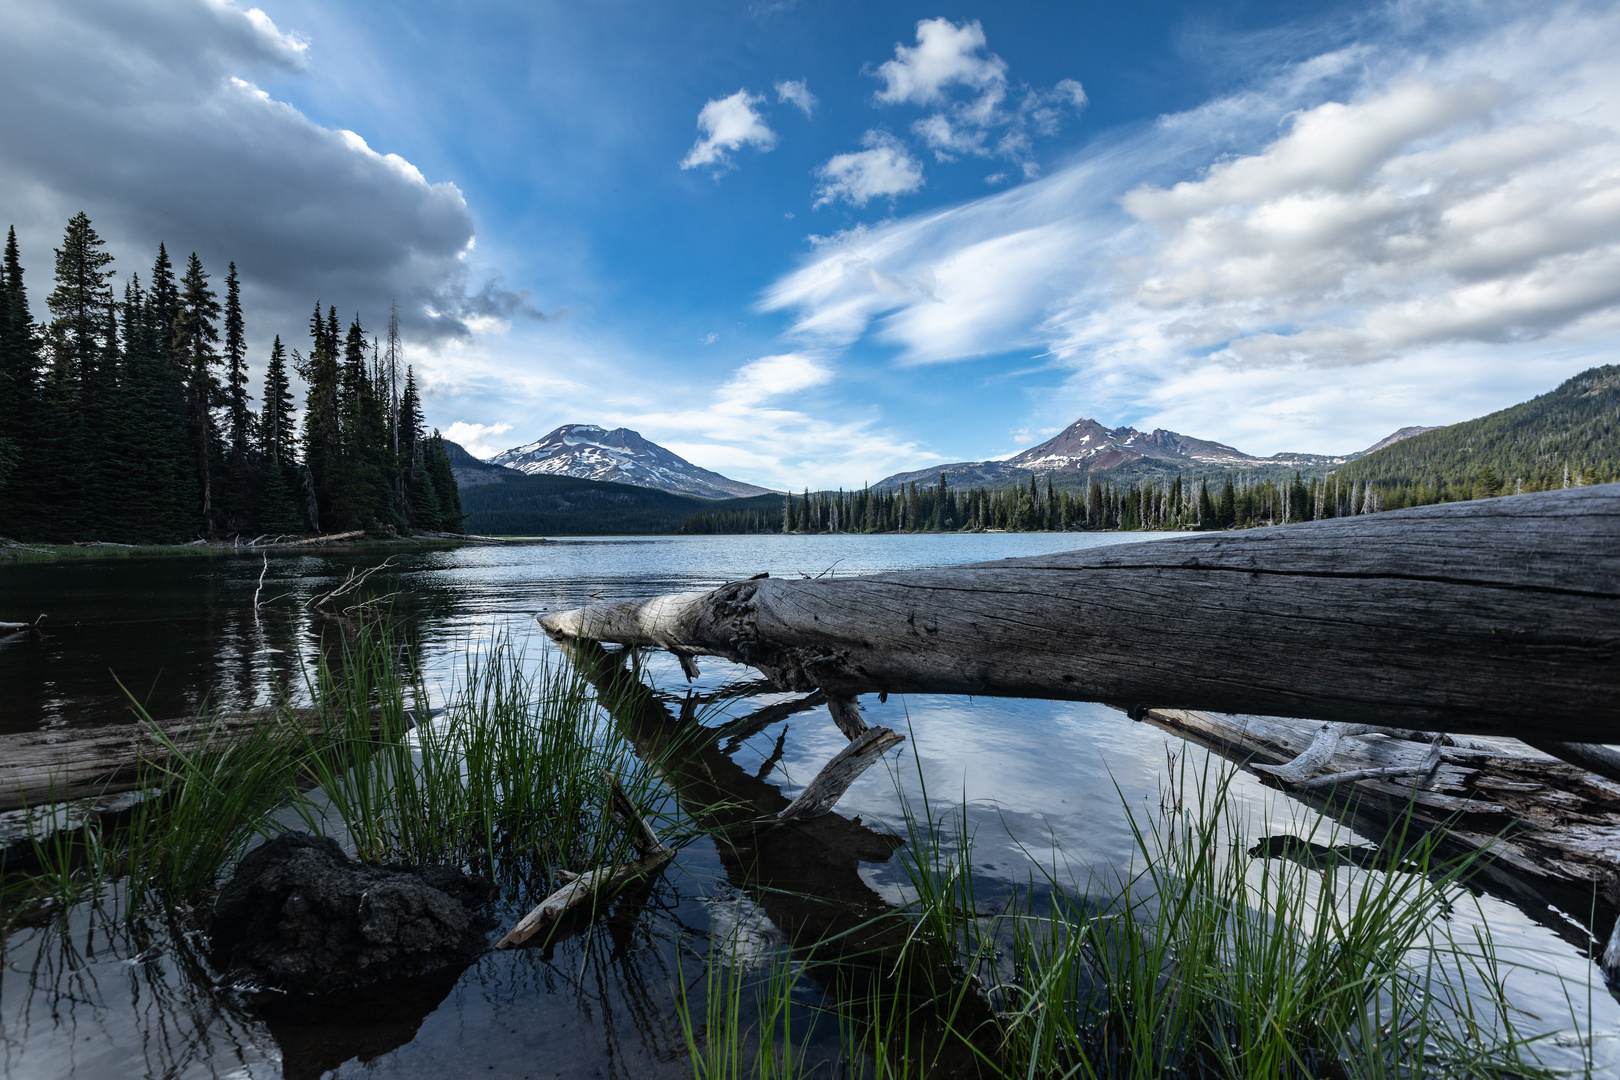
[590, 890]
[1552, 830]
[60, 764]
[1499, 616]
[822, 793]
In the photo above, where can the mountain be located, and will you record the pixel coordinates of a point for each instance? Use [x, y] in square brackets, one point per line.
[470, 472]
[546, 505]
[1085, 449]
[587, 452]
[1391, 440]
[1574, 427]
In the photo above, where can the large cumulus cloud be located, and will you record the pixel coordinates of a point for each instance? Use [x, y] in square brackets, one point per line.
[147, 115]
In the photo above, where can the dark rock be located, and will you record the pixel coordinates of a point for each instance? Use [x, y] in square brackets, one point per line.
[300, 915]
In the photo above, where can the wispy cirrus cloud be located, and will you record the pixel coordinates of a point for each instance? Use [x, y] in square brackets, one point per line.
[1453, 210]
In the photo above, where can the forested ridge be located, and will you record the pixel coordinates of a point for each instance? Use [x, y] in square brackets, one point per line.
[128, 418]
[1565, 438]
[1175, 504]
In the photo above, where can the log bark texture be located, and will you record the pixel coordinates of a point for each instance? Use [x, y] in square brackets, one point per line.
[61, 764]
[1552, 829]
[1498, 616]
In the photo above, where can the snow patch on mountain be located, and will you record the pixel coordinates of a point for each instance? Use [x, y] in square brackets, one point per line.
[621, 456]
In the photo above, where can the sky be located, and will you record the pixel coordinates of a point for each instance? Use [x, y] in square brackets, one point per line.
[810, 244]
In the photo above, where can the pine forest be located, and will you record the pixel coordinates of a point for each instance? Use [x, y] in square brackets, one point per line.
[128, 418]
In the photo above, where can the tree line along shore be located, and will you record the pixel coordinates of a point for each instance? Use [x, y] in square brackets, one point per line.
[129, 420]
[1233, 502]
[1567, 437]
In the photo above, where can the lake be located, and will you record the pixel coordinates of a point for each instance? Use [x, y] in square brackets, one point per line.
[1044, 785]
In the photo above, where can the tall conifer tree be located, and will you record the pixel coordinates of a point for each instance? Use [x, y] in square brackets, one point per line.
[82, 373]
[241, 480]
[19, 399]
[323, 423]
[280, 483]
[195, 337]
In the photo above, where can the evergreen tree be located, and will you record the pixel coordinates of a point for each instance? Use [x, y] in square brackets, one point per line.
[444, 482]
[323, 428]
[152, 436]
[19, 400]
[81, 377]
[280, 479]
[178, 508]
[241, 476]
[421, 493]
[354, 495]
[195, 336]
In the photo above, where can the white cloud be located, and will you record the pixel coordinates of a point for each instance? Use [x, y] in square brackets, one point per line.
[1455, 210]
[729, 123]
[771, 376]
[945, 55]
[883, 169]
[472, 437]
[749, 431]
[948, 56]
[145, 115]
[796, 92]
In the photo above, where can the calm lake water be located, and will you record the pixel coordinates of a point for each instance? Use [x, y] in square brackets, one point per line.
[1044, 784]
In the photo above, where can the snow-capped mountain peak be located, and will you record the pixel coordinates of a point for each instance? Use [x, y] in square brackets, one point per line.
[622, 456]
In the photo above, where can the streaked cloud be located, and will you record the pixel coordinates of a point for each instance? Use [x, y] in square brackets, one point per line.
[1455, 210]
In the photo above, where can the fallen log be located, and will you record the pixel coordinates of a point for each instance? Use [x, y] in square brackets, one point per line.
[1497, 616]
[62, 764]
[1550, 830]
[329, 538]
[589, 891]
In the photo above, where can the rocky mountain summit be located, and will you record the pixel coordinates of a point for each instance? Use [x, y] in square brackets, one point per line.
[588, 452]
[1085, 446]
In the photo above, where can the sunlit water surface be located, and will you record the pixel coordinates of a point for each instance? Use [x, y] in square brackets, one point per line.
[1044, 784]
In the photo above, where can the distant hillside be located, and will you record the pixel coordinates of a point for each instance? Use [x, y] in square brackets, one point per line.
[1575, 426]
[502, 502]
[588, 452]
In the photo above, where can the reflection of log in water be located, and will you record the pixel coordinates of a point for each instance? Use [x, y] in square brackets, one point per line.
[804, 874]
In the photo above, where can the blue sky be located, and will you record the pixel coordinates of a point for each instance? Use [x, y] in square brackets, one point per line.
[810, 244]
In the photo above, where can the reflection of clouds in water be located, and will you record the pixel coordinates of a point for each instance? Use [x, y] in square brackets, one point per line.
[741, 935]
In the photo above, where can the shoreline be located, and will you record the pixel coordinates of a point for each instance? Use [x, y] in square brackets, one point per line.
[20, 553]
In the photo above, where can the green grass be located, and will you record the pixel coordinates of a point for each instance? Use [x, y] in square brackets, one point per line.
[1193, 962]
[509, 780]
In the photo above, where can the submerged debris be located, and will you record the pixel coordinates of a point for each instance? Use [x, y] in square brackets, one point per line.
[302, 916]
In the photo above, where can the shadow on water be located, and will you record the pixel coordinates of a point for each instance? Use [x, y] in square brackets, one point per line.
[179, 632]
[805, 874]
